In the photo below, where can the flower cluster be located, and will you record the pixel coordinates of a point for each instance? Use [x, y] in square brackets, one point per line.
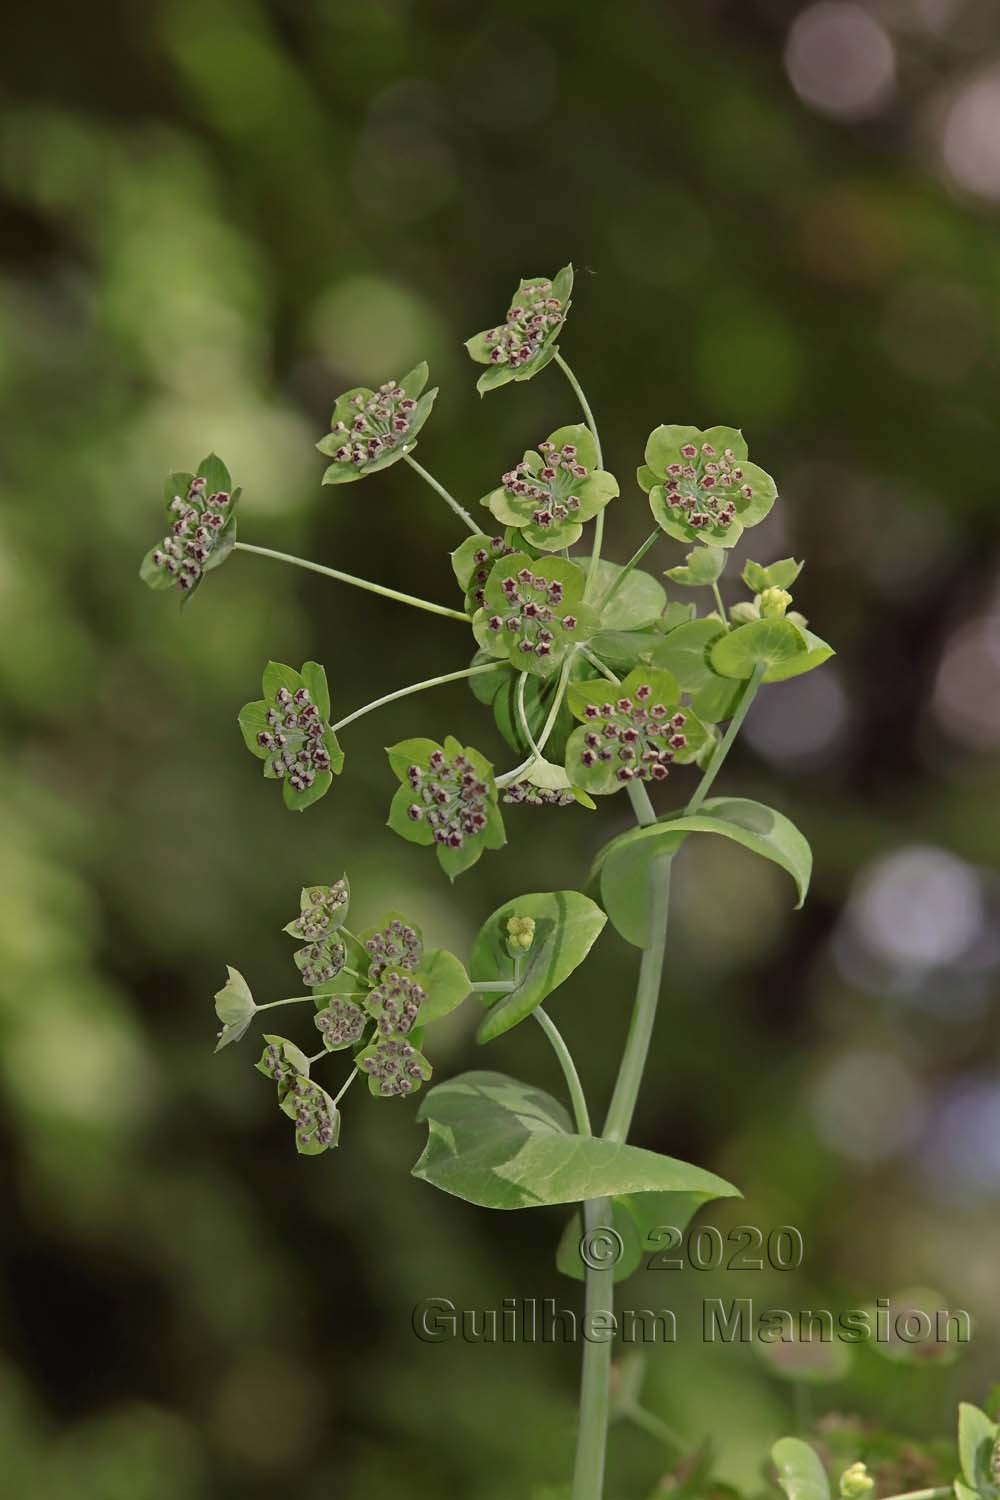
[341, 1023]
[533, 612]
[525, 342]
[323, 910]
[394, 1067]
[634, 733]
[288, 730]
[448, 798]
[395, 1002]
[473, 562]
[313, 1112]
[526, 793]
[397, 945]
[202, 532]
[702, 484]
[370, 430]
[551, 492]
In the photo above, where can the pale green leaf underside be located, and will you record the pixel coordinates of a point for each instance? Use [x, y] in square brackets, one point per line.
[503, 1144]
[800, 1473]
[624, 863]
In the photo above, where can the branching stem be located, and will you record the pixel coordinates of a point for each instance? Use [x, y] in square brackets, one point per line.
[414, 687]
[358, 583]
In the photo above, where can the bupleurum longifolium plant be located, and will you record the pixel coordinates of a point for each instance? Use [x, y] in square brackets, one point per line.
[598, 685]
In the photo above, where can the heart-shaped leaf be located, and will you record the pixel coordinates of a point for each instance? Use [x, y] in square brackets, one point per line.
[633, 1218]
[503, 1144]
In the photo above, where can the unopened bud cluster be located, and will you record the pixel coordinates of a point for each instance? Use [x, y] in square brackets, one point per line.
[533, 318]
[397, 946]
[773, 603]
[703, 487]
[295, 735]
[531, 611]
[396, 1002]
[341, 1023]
[380, 425]
[395, 1067]
[635, 737]
[526, 793]
[520, 934]
[550, 491]
[856, 1483]
[450, 798]
[483, 559]
[194, 534]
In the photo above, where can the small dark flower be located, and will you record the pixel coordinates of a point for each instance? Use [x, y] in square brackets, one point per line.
[526, 340]
[702, 486]
[202, 528]
[635, 738]
[394, 1067]
[456, 804]
[370, 430]
[288, 730]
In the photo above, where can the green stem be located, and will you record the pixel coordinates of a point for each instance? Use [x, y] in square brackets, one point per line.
[725, 744]
[415, 687]
[358, 583]
[293, 1000]
[350, 1079]
[652, 1424]
[938, 1494]
[595, 1378]
[492, 986]
[459, 510]
[595, 551]
[580, 1112]
[718, 602]
[636, 558]
[511, 776]
[626, 1092]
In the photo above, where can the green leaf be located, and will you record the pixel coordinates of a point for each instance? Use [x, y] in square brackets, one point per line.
[777, 575]
[446, 982]
[567, 926]
[277, 675]
[800, 1473]
[685, 652]
[623, 864]
[215, 474]
[633, 1218]
[705, 566]
[977, 1436]
[773, 644]
[639, 601]
[503, 1144]
[816, 653]
[298, 799]
[622, 649]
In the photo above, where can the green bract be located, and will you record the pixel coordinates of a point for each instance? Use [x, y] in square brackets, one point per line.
[632, 732]
[323, 912]
[317, 1122]
[533, 613]
[549, 494]
[235, 1008]
[566, 927]
[704, 566]
[473, 562]
[526, 341]
[202, 511]
[779, 646]
[288, 730]
[702, 487]
[372, 429]
[448, 798]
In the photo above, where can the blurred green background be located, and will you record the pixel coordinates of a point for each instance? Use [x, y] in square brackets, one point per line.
[216, 215]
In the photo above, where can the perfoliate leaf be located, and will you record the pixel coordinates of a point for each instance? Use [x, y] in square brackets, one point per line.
[446, 983]
[623, 864]
[773, 644]
[637, 602]
[633, 1218]
[503, 1144]
[235, 1008]
[567, 925]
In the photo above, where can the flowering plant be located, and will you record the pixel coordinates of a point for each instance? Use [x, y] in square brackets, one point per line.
[600, 685]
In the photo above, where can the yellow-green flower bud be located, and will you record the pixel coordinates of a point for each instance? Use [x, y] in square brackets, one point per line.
[520, 935]
[774, 603]
[856, 1483]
